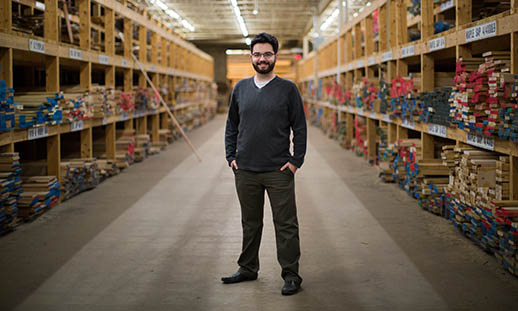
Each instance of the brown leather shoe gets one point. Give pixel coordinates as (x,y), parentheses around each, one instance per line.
(238,277)
(290,287)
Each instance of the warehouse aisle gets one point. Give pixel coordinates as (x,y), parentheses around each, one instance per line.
(160,236)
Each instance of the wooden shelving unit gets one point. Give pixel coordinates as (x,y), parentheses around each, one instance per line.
(361,56)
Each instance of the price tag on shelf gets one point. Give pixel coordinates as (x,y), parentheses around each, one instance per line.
(36,46)
(153,111)
(481,141)
(407,51)
(360,112)
(38,132)
(437,44)
(75,54)
(170,72)
(386,118)
(40,5)
(103,59)
(124,63)
(124,116)
(359,64)
(447,5)
(350,67)
(350,109)
(152,68)
(385,57)
(77,126)
(481,31)
(373,115)
(437,130)
(408,124)
(372,60)
(105,121)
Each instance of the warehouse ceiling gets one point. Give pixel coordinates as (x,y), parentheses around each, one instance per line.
(215,22)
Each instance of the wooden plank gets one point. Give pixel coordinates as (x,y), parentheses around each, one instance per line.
(128,38)
(85,78)
(142,80)
(164,121)
(85,24)
(349,123)
(349,80)
(401,68)
(142,37)
(155,128)
(109,76)
(348,46)
(513,181)
(86,143)
(401,21)
(163,55)
(109,34)
(128,80)
(369,36)
(371,138)
(427,27)
(382,26)
(6,19)
(6,66)
(54,156)
(392,133)
(427,73)
(402,132)
(172,55)
(514,52)
(427,146)
(52,73)
(128,124)
(50,20)
(7,148)
(141,126)
(357,41)
(110,141)
(393,42)
(154,48)
(463,11)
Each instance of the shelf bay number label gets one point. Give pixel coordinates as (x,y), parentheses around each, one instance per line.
(360,111)
(124,63)
(40,5)
(407,51)
(386,56)
(77,126)
(152,68)
(481,141)
(447,5)
(350,109)
(359,64)
(75,54)
(408,124)
(437,44)
(36,46)
(350,67)
(372,60)
(481,31)
(38,132)
(105,121)
(124,116)
(373,115)
(386,118)
(103,59)
(437,130)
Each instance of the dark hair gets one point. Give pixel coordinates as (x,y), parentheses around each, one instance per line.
(264,37)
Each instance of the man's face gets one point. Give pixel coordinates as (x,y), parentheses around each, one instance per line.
(263,58)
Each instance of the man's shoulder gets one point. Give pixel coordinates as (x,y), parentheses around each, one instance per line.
(243,82)
(286,82)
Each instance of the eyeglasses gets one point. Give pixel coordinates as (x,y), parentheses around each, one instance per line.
(266,55)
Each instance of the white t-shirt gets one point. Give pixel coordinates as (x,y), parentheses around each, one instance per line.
(261,84)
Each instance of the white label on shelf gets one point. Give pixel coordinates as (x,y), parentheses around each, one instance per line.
(373,115)
(170,72)
(75,54)
(360,111)
(350,67)
(481,141)
(124,62)
(40,5)
(385,57)
(437,44)
(408,124)
(103,59)
(407,51)
(38,132)
(36,46)
(447,5)
(437,130)
(386,118)
(481,31)
(350,109)
(77,126)
(372,60)
(152,68)
(105,121)
(124,116)
(359,64)
(153,111)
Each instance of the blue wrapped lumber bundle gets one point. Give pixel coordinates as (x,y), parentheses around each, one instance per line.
(10,187)
(435,106)
(7,108)
(39,109)
(78,175)
(40,193)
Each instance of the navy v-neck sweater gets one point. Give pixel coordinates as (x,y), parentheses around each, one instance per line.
(257,133)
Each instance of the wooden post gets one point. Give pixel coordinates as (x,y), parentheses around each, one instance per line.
(463,11)
(128,80)
(427,73)
(348,46)
(391,70)
(7,148)
(402,132)
(427,145)
(163,54)
(6,17)
(382,26)
(357,41)
(52,73)
(141,126)
(369,36)
(110,141)
(172,51)
(427,28)
(401,20)
(514,52)
(128,38)
(6,65)
(513,182)
(392,133)
(84,24)
(86,143)
(349,123)
(164,121)
(54,156)
(155,127)
(128,124)
(50,20)
(401,68)
(109,34)
(142,80)
(393,24)
(86,76)
(142,37)
(109,76)
(349,80)
(371,138)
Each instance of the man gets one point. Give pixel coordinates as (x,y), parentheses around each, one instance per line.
(263,110)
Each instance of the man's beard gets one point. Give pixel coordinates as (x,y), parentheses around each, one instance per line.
(266,70)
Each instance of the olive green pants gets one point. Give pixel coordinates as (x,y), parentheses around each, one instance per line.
(280,187)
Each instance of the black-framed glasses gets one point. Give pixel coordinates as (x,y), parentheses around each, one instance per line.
(266,54)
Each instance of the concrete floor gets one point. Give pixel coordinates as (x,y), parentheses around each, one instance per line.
(160,235)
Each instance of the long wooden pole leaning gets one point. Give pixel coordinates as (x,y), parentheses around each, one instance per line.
(163,102)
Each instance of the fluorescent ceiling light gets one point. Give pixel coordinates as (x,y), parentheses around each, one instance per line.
(187,25)
(248,41)
(172,13)
(240,19)
(329,20)
(161,5)
(236,52)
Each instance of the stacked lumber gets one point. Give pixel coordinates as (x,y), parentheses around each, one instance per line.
(166,137)
(404,96)
(359,144)
(435,106)
(38,109)
(503,171)
(107,169)
(508,113)
(142,147)
(381,143)
(386,160)
(432,194)
(507,229)
(10,187)
(384,95)
(40,193)
(30,24)
(125,148)
(7,107)
(76,107)
(78,175)
(404,165)
(145,98)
